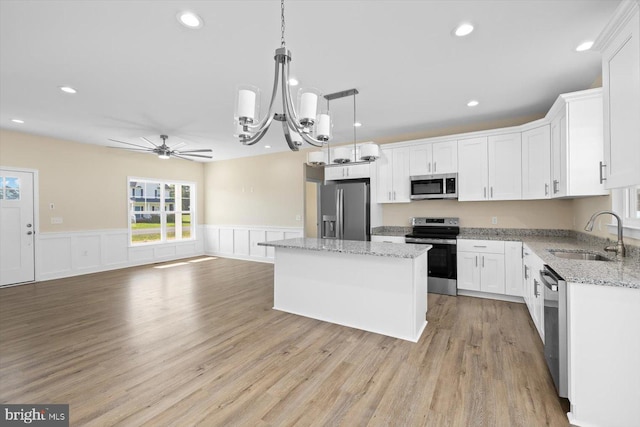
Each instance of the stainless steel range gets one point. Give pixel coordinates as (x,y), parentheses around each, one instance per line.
(441,233)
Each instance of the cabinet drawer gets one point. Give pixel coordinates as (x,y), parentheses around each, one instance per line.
(387,239)
(482,246)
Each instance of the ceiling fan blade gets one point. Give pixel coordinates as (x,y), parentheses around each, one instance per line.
(205,150)
(148,150)
(180,144)
(180,157)
(195,155)
(128,143)
(149,141)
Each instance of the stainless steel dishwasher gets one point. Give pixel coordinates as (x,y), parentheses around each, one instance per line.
(555,328)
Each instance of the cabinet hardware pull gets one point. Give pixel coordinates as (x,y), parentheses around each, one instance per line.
(485,192)
(429,166)
(483,261)
(555,186)
(394,195)
(479,246)
(476,260)
(602,178)
(526,272)
(492,191)
(435,166)
(389,195)
(546,189)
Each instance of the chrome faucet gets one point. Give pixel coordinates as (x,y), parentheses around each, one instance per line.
(618,248)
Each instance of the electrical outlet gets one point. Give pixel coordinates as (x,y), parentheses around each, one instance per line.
(494,220)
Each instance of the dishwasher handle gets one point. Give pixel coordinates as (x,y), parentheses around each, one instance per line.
(553,285)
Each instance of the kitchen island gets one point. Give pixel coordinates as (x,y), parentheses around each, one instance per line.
(376,287)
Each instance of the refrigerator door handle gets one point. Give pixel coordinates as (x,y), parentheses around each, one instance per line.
(340,213)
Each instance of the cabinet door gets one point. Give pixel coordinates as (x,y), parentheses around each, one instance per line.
(472,169)
(559,155)
(513,269)
(621,86)
(468,271)
(357,171)
(492,273)
(333,172)
(420,159)
(401,189)
(505,167)
(536,163)
(385,178)
(445,157)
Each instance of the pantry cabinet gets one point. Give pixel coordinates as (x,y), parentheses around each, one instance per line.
(393,184)
(577,151)
(620,46)
(536,163)
(489,168)
(428,158)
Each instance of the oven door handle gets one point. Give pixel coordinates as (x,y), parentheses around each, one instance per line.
(427,241)
(551,286)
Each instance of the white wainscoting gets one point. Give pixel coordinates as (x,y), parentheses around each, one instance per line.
(65,254)
(241,242)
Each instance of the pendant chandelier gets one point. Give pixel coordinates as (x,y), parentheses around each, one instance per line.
(302,124)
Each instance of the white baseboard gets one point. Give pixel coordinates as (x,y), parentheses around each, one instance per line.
(486,295)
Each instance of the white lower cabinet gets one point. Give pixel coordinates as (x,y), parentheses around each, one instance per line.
(532,292)
(481,266)
(513,269)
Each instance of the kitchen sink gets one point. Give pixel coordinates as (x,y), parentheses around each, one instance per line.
(579,255)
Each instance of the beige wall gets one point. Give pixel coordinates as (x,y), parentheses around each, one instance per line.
(554,214)
(88,183)
(262,190)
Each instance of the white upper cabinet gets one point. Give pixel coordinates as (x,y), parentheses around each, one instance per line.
(489,168)
(429,158)
(536,163)
(577,144)
(473,169)
(393,184)
(347,171)
(620,47)
(505,167)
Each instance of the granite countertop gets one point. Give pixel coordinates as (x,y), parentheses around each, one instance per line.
(392,250)
(618,272)
(391,230)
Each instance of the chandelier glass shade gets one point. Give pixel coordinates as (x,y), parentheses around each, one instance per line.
(300,122)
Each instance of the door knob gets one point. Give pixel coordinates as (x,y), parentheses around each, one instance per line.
(29,233)
(28,225)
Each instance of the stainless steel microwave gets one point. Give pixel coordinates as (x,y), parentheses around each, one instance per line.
(441,186)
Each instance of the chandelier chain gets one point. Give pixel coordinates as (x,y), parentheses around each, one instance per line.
(282,22)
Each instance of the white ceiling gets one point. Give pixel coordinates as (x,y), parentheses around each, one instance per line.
(138,72)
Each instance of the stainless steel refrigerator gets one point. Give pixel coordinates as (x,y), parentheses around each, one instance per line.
(344,211)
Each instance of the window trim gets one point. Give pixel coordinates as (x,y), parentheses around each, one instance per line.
(619,204)
(192,211)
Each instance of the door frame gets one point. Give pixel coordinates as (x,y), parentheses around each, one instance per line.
(36,219)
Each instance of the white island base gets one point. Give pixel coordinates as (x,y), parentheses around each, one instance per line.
(382,294)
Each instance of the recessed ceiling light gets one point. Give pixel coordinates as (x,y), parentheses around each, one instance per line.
(17,121)
(190,20)
(293,82)
(357,124)
(68,89)
(584,46)
(472,103)
(463,29)
(267,146)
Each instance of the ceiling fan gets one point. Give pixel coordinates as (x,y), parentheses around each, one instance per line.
(164,151)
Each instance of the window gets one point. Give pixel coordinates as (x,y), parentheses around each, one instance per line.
(160,211)
(626,203)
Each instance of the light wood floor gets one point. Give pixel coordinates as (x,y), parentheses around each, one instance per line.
(199,344)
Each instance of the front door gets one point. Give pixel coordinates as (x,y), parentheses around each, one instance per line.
(17,228)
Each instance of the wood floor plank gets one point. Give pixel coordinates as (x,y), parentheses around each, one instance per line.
(199,344)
